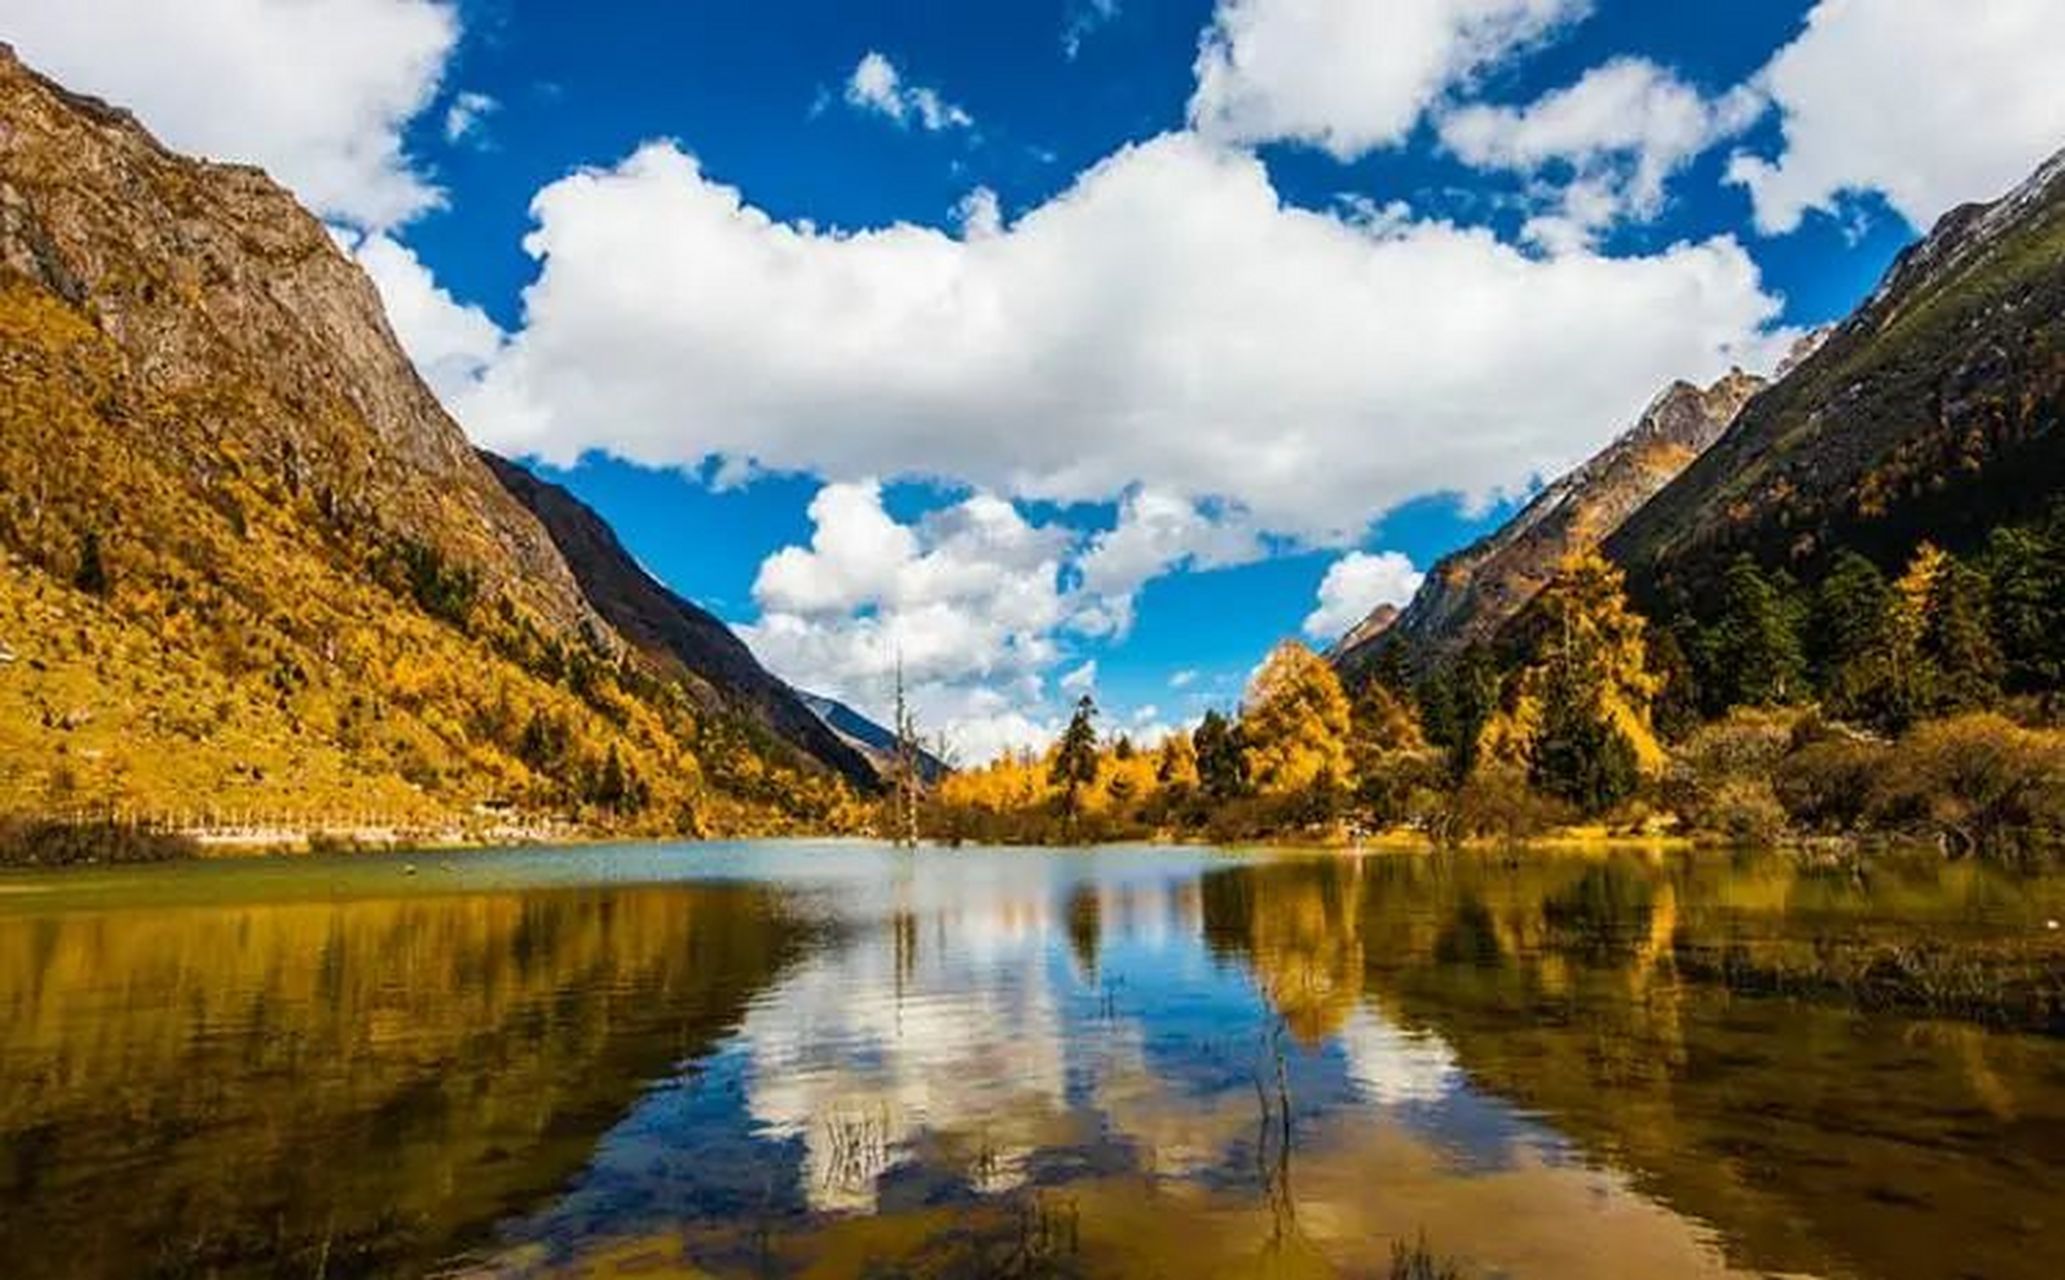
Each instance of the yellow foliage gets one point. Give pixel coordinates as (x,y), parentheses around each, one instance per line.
(1295,721)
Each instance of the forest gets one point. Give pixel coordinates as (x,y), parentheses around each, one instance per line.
(1916,703)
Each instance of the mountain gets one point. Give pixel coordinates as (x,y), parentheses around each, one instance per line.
(1932,412)
(249,565)
(1471,593)
(681,638)
(870,739)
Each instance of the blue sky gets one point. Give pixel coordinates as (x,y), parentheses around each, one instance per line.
(1121,332)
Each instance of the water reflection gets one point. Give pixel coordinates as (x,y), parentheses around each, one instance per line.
(840,1061)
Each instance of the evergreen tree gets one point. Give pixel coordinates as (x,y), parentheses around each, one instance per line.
(1391,669)
(1754,654)
(1456,701)
(2026,574)
(92,574)
(1958,640)
(1295,721)
(1075,759)
(1852,639)
(1222,769)
(1676,709)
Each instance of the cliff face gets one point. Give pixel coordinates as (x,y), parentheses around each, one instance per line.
(246,560)
(1933,412)
(1470,594)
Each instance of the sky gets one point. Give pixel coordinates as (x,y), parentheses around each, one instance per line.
(1066,346)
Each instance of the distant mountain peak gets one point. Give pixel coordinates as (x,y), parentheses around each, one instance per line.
(1470,594)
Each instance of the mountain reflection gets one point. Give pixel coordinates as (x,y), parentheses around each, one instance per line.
(352,1088)
(972,1063)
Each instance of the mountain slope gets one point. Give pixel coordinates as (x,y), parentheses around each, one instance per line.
(1470,594)
(1933,412)
(873,741)
(680,637)
(247,563)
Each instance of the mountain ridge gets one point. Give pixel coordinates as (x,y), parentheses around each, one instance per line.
(248,562)
(1931,412)
(1469,594)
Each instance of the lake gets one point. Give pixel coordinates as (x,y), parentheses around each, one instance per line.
(840,1059)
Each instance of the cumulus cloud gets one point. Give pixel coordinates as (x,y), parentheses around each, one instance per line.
(966,601)
(1168,321)
(1930,103)
(1081,680)
(877,86)
(1357,583)
(1350,76)
(1621,130)
(316,91)
(1157,532)
(451,343)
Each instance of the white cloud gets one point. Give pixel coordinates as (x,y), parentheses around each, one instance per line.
(876,85)
(1622,130)
(1351,76)
(1157,532)
(966,600)
(316,91)
(1081,680)
(1931,103)
(1167,321)
(1183,679)
(1084,18)
(450,343)
(1357,583)
(467,116)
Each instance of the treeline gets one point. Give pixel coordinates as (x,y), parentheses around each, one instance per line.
(1916,704)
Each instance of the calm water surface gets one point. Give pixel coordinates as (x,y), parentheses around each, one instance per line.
(842,1060)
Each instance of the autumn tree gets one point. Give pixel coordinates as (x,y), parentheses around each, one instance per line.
(1295,721)
(1175,763)
(1387,750)
(1579,716)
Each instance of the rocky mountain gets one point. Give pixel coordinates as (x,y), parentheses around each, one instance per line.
(686,641)
(1471,593)
(248,564)
(1933,411)
(869,738)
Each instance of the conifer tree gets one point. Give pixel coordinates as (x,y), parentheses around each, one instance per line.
(92,573)
(1754,651)
(2026,573)
(1958,640)
(1221,763)
(1075,758)
(1852,639)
